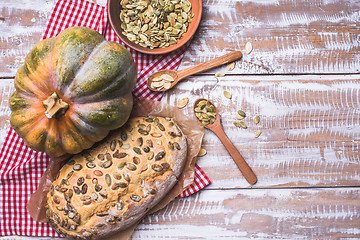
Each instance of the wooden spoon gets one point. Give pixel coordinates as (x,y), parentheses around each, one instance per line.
(179,75)
(219,132)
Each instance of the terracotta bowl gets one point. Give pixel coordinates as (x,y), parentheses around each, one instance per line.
(114,8)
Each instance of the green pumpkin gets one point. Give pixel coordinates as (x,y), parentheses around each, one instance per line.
(72,90)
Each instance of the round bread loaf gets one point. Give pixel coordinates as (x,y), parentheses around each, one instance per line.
(111,186)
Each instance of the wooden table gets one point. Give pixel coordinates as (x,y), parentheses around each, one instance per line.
(302,79)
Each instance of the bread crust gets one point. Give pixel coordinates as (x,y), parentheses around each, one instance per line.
(111,186)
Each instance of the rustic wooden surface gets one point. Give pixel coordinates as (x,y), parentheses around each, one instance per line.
(302,79)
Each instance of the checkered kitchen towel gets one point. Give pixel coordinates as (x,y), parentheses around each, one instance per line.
(21,168)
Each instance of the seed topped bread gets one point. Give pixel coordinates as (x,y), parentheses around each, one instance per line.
(111,186)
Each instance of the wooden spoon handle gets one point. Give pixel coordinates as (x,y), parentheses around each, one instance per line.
(239,160)
(230,57)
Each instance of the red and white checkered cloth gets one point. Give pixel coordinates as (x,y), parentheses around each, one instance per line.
(21,168)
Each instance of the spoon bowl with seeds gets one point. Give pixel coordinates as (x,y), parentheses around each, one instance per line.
(207,115)
(166,79)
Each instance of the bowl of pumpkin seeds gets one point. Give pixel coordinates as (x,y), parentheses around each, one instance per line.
(155,26)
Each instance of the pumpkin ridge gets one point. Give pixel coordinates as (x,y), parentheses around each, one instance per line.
(93,76)
(94,84)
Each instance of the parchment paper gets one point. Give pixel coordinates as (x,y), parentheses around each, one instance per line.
(193,131)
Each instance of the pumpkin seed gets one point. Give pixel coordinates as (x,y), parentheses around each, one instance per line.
(146,149)
(149,143)
(150,156)
(90,165)
(240,124)
(167,85)
(98,187)
(156,135)
(123,136)
(202,152)
(56,199)
(125,146)
(107,164)
(159,156)
(239,117)
(68,195)
(126,176)
(77,167)
(80,181)
(165,166)
(98,173)
(113,145)
(119,185)
(103,194)
(177,146)
(160,126)
(136,160)
(231,66)
(76,218)
(131,166)
(119,154)
(152,191)
(157,168)
(76,190)
(69,175)
(142,131)
(101,156)
(121,165)
(108,179)
(149,119)
(183,102)
(248,47)
(256,119)
(171,146)
(227,94)
(135,198)
(137,150)
(219,74)
(84,188)
(94,181)
(140,141)
(117,175)
(257,133)
(241,113)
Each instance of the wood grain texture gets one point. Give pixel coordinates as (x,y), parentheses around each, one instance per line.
(255,214)
(288,36)
(310,128)
(259,214)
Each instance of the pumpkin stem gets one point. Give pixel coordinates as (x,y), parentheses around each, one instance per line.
(55,106)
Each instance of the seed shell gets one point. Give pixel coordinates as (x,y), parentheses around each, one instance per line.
(231,66)
(256,119)
(257,133)
(202,152)
(183,102)
(227,94)
(248,47)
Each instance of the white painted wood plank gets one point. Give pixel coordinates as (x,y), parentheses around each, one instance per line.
(310,128)
(288,36)
(256,214)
